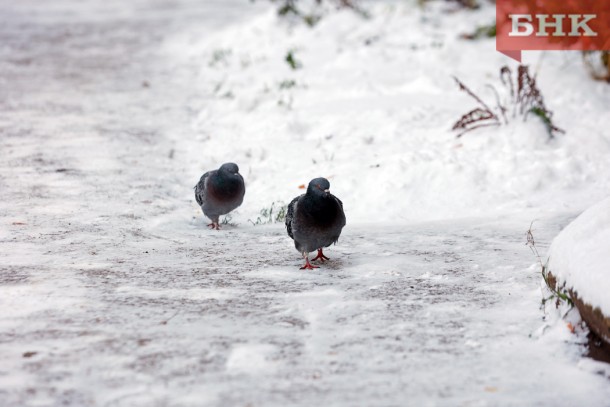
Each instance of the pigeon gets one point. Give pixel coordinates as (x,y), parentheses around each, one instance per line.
(314,220)
(220,191)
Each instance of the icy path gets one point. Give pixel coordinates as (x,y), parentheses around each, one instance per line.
(113,293)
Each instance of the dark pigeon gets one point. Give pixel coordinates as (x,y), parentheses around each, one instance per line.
(220,191)
(314,220)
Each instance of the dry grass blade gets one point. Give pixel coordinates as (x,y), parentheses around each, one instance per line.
(473,95)
(525,97)
(480,117)
(506,76)
(473,120)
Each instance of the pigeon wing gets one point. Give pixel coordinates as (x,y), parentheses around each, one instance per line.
(200,188)
(290,215)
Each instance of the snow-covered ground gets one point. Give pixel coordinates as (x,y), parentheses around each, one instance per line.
(113,292)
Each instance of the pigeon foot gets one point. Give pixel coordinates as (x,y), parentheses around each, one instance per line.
(320,256)
(214,225)
(308,265)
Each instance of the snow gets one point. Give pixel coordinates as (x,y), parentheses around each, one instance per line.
(579,256)
(113,292)
(372,106)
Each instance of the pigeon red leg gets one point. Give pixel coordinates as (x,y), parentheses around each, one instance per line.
(308,265)
(320,256)
(214,225)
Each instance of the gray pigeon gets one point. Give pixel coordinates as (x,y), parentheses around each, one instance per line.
(314,220)
(220,191)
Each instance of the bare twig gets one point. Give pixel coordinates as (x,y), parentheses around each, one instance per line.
(531,243)
(556,292)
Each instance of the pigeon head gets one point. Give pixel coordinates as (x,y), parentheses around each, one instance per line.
(319,187)
(231,168)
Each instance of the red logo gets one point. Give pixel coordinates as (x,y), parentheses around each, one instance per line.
(552,25)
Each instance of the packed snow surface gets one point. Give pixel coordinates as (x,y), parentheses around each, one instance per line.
(114,293)
(580,256)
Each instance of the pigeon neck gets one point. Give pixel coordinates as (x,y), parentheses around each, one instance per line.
(314,191)
(316,199)
(225,183)
(323,208)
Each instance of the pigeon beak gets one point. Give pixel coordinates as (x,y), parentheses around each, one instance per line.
(326,191)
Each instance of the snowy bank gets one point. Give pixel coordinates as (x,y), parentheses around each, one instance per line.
(369,104)
(579,259)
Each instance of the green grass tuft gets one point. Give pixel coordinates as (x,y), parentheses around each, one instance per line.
(275,213)
(292,61)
